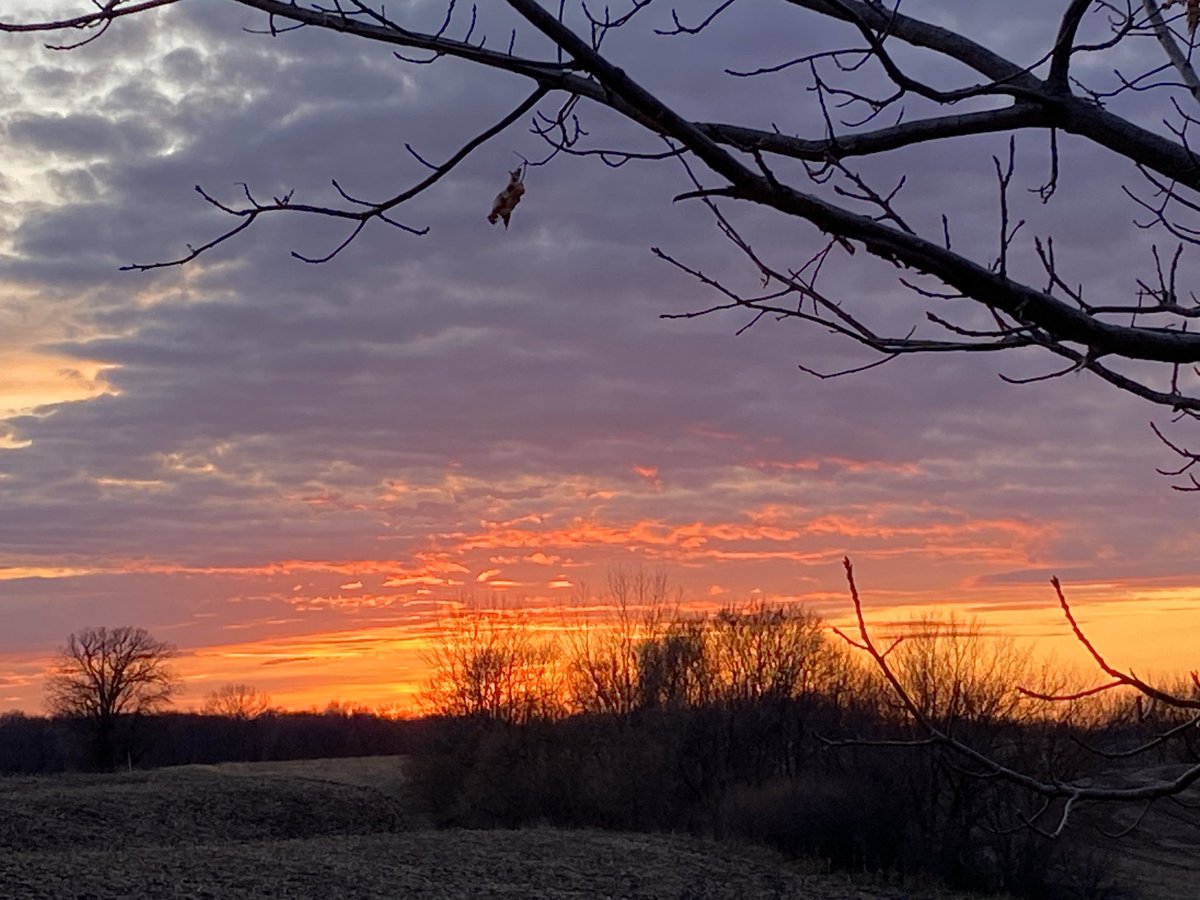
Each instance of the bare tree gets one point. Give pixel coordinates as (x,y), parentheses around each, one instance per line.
(763,653)
(492,665)
(675,666)
(605,659)
(887,82)
(237,701)
(103,675)
(955,672)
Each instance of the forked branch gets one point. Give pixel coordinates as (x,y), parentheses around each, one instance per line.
(1071,794)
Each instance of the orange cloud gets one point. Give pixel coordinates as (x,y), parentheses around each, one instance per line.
(34,379)
(650,474)
(840,462)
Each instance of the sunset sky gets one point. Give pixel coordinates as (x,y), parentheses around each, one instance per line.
(291,471)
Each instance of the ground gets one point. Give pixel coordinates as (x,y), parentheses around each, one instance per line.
(340,829)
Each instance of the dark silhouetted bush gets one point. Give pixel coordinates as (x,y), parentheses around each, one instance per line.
(752,724)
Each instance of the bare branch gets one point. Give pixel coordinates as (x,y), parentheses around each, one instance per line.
(360,217)
(1070,792)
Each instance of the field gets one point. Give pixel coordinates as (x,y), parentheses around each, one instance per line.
(340,829)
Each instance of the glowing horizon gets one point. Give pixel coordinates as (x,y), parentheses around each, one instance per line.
(381,665)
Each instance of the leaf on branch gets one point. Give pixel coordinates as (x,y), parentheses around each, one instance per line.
(1193,12)
(506,201)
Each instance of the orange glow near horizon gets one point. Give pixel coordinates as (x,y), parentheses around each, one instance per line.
(381,669)
(355,630)
(384,668)
(1147,627)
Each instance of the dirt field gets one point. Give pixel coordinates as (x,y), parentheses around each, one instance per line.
(339,829)
(1160,860)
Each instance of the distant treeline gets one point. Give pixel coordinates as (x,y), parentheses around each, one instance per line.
(35,745)
(757,723)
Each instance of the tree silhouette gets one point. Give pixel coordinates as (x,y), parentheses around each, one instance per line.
(237,701)
(887,82)
(103,675)
(492,666)
(1060,796)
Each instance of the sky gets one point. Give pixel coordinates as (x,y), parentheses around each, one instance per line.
(295,472)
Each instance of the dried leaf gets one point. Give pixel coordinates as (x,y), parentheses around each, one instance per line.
(1193,12)
(506,201)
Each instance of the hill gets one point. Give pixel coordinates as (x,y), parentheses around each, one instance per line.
(339,828)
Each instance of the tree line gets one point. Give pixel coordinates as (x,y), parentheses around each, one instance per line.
(759,722)
(41,745)
(108,693)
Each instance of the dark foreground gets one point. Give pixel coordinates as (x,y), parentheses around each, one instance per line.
(340,829)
